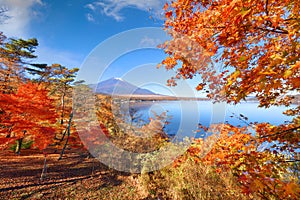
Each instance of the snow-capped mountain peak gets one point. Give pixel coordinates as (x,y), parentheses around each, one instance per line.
(118,86)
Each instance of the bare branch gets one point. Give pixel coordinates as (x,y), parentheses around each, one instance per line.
(289,161)
(281,132)
(272,30)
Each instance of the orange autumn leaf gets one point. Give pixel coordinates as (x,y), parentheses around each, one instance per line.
(28,112)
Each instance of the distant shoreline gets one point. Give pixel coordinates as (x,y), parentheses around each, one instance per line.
(155,98)
(172,98)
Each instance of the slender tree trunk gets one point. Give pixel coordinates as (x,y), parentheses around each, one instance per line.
(44,171)
(69,132)
(62,108)
(64,135)
(63,114)
(19,143)
(18,147)
(93,167)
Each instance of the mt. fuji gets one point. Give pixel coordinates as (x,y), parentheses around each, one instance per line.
(117,86)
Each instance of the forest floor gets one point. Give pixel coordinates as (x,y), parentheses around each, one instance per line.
(74,177)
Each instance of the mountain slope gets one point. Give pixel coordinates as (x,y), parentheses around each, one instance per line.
(117,86)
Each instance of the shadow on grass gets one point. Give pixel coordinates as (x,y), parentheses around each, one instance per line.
(20,175)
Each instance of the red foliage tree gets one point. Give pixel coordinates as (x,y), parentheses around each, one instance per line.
(27,113)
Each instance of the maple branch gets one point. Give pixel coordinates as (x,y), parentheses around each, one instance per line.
(296,160)
(266,8)
(275,30)
(281,132)
(242,119)
(214,27)
(293,18)
(272,30)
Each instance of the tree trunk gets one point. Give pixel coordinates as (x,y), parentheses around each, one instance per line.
(63,104)
(63,114)
(69,132)
(44,171)
(18,147)
(19,144)
(62,109)
(63,135)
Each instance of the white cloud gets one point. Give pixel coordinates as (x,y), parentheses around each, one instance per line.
(90,17)
(113,8)
(20,14)
(91,6)
(148,41)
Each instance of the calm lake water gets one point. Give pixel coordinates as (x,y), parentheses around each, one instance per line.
(184,116)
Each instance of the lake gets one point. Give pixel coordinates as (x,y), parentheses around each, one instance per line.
(183,117)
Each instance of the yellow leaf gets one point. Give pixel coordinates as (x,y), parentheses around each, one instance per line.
(287,73)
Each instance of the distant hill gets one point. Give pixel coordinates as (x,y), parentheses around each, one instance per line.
(117,86)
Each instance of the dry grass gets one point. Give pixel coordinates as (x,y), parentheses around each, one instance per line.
(191,181)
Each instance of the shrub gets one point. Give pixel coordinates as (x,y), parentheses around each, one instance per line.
(25,145)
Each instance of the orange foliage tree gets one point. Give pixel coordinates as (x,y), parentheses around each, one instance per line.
(261,174)
(27,113)
(238,48)
(258,40)
(57,80)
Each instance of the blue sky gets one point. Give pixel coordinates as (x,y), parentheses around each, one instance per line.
(70,31)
